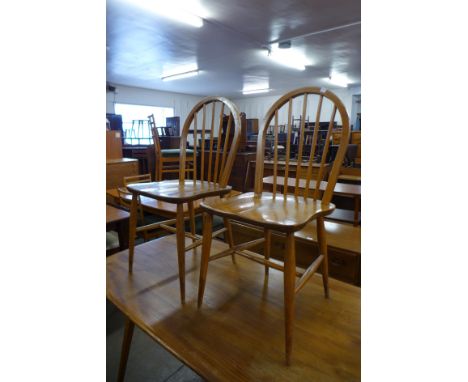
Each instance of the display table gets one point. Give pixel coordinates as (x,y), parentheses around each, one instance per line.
(238,333)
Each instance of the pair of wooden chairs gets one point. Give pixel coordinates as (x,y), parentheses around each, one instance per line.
(271,211)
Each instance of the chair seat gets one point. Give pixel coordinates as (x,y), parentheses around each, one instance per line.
(176,192)
(175,152)
(279,213)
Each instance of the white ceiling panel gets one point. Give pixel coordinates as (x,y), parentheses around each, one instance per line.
(229,48)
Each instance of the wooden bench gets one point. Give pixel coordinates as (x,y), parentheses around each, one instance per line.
(344,247)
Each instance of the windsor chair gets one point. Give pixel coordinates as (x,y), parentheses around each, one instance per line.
(210,182)
(167,160)
(285,213)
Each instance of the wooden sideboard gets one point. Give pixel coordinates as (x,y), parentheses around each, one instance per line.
(116,169)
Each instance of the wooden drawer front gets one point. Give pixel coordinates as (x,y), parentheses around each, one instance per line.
(343,265)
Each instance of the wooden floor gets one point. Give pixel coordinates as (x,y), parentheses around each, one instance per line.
(238,334)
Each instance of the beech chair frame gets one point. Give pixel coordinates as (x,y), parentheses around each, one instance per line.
(210,183)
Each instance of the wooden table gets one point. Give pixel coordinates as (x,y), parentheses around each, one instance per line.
(118,219)
(341,189)
(238,334)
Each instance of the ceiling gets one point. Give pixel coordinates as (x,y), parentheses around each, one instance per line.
(229,49)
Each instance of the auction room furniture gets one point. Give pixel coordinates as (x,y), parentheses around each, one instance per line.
(117,169)
(116,166)
(284,213)
(168,160)
(117,220)
(212,182)
(235,337)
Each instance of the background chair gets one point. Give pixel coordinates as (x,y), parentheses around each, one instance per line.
(167,160)
(215,144)
(286,213)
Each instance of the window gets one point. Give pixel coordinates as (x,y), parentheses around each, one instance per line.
(135,121)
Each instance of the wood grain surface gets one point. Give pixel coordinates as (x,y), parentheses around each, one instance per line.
(238,333)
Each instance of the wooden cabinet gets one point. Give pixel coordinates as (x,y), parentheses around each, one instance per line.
(356,139)
(116,169)
(113,145)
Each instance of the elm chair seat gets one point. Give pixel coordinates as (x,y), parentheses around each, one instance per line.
(283,214)
(179,192)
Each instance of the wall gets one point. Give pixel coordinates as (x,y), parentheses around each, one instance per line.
(182,103)
(256,107)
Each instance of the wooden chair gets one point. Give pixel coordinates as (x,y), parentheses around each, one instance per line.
(167,160)
(284,213)
(216,145)
(125,198)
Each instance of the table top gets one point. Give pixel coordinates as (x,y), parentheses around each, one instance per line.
(238,333)
(345,189)
(354,178)
(115,214)
(121,160)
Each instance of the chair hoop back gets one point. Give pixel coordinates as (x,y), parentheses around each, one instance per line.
(305,145)
(208,131)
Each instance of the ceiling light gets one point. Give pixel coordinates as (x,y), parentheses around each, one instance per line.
(339,79)
(173,10)
(178,76)
(292,57)
(253,91)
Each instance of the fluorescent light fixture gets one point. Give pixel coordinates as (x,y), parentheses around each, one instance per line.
(339,79)
(174,10)
(254,91)
(290,57)
(178,76)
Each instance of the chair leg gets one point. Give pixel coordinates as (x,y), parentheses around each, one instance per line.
(191,209)
(132,231)
(267,248)
(180,235)
(206,249)
(229,237)
(127,341)
(289,292)
(322,242)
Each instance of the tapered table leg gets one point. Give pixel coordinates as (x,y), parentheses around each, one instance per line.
(127,341)
(289,293)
